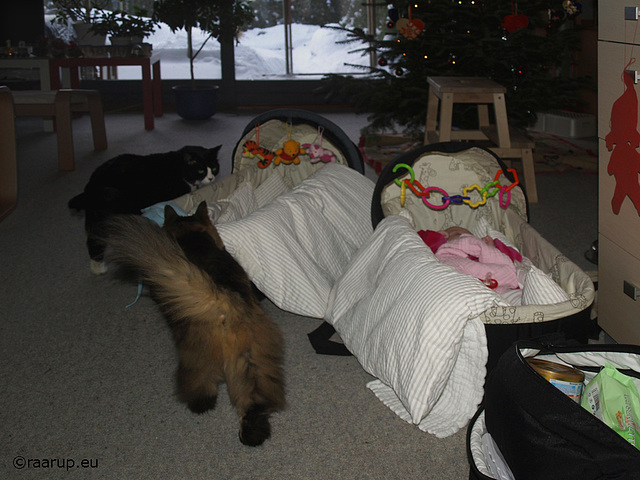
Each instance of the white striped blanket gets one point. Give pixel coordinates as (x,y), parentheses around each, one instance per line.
(313,252)
(413,323)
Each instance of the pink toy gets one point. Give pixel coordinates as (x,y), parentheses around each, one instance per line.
(317,152)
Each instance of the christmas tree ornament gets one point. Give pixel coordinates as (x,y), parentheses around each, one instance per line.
(390,24)
(399,71)
(410,27)
(382,62)
(572,7)
(516,20)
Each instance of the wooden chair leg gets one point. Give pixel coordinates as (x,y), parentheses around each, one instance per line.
(66,159)
(97,121)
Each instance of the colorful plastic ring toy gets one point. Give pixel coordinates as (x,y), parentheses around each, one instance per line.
(404,165)
(420,192)
(489,185)
(515,176)
(445,203)
(483,194)
(502,192)
(457,199)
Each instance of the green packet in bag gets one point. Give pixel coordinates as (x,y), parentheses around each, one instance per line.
(613,398)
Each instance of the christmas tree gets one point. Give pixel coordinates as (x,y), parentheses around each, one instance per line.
(525,46)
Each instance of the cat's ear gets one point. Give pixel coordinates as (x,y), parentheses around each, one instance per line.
(202,213)
(170,215)
(212,159)
(189,155)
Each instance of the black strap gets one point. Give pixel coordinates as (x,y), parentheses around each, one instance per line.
(320,342)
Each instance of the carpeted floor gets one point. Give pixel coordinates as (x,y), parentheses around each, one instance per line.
(555,154)
(86,379)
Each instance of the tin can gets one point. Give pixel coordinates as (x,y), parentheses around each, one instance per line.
(568,380)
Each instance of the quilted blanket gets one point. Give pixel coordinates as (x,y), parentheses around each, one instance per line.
(312,251)
(414,323)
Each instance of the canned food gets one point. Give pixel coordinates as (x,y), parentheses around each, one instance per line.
(568,380)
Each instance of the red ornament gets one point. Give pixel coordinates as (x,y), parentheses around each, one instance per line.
(410,28)
(515,21)
(511,23)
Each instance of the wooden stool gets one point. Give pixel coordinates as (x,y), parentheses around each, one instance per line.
(61,104)
(445,91)
(8,155)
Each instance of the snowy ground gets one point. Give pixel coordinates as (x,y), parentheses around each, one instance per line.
(259,54)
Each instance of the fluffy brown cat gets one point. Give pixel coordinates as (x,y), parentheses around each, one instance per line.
(221,331)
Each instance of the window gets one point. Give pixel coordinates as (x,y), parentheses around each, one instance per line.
(286,40)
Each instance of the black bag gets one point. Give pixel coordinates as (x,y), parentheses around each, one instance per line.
(543,434)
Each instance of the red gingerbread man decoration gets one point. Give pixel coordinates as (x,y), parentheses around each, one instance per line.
(622,140)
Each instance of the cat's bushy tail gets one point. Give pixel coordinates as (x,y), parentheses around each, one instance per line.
(220,337)
(181,288)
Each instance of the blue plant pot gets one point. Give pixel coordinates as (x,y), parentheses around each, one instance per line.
(199,103)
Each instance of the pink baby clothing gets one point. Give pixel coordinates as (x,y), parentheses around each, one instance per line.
(471,255)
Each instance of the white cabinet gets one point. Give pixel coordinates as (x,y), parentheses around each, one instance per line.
(619,233)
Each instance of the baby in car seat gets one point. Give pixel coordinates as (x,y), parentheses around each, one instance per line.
(487,259)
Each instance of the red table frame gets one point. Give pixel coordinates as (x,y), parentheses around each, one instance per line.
(151,85)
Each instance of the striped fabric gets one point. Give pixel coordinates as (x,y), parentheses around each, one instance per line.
(295,248)
(413,323)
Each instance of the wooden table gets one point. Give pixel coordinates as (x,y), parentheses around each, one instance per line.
(151,80)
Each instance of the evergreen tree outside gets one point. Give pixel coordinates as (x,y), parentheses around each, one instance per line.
(466,38)
(348,13)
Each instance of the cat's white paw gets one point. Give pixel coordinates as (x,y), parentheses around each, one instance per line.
(98,267)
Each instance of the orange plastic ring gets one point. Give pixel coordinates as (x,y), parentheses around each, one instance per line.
(515,175)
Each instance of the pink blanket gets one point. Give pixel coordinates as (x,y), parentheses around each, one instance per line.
(470,255)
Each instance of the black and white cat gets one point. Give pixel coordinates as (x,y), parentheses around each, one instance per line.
(128,183)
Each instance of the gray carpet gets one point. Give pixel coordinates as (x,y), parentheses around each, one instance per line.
(85,378)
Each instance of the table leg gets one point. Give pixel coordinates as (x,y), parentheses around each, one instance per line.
(483,115)
(529,175)
(147,96)
(157,89)
(446,117)
(432,114)
(502,124)
(54,77)
(66,155)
